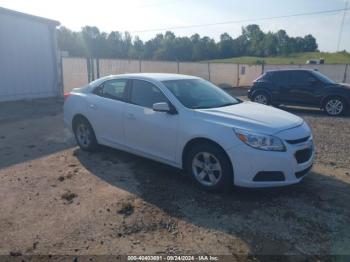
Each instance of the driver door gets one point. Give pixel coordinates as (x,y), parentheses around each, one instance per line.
(147,131)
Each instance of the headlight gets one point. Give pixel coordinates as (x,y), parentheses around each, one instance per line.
(260,141)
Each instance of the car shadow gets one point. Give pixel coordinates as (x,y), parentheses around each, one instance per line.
(310,218)
(31,130)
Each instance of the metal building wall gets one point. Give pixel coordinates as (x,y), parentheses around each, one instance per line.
(28,65)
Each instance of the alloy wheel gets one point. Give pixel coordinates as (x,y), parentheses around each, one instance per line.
(334,107)
(206,169)
(83,135)
(262,99)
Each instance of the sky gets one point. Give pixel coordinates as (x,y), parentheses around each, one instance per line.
(140,15)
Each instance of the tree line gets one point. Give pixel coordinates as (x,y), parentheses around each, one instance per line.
(90,41)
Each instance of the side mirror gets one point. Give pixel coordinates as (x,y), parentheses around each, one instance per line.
(164,107)
(161,107)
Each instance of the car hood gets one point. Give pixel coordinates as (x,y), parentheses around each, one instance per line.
(343,85)
(252,116)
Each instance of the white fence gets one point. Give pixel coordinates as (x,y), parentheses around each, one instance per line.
(76,73)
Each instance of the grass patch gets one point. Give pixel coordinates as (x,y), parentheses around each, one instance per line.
(300,58)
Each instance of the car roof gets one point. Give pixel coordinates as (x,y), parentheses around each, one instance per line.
(289,70)
(151,76)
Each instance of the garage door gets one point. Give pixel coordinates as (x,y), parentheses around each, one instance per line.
(27,64)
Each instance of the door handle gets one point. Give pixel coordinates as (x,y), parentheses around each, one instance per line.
(130,116)
(93,106)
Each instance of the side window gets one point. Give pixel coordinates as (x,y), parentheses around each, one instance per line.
(300,78)
(280,78)
(114,89)
(146,94)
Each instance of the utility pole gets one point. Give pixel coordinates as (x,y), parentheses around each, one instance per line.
(342,25)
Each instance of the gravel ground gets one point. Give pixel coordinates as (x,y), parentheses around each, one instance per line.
(57,199)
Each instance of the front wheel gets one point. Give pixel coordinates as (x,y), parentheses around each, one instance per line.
(334,106)
(210,167)
(261,98)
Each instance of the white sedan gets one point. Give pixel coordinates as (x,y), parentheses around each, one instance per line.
(189,123)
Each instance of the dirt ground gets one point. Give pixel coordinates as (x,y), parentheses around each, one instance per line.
(57,199)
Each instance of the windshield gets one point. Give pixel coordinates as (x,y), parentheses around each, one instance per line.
(198,93)
(322,78)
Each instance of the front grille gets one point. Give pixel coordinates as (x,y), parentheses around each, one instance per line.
(303,156)
(298,141)
(269,176)
(302,173)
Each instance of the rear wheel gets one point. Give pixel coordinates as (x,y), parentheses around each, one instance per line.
(261,98)
(334,106)
(210,167)
(84,134)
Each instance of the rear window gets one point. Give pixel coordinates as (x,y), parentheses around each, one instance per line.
(113,89)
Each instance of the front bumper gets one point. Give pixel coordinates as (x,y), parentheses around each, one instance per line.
(248,163)
(249,94)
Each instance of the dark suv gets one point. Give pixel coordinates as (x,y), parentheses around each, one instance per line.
(301,87)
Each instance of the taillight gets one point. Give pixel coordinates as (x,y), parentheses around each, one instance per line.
(66,95)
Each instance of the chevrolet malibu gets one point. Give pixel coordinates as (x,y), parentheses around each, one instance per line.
(190,123)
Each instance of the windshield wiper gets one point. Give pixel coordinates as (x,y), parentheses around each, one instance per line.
(214,106)
(228,104)
(201,107)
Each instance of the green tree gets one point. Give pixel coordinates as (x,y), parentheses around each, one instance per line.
(115,40)
(90,41)
(91,37)
(269,45)
(255,39)
(226,46)
(203,48)
(137,49)
(282,43)
(310,44)
(71,42)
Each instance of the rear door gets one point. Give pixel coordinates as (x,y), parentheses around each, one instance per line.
(106,109)
(280,91)
(147,131)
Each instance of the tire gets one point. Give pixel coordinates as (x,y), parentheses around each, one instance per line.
(209,167)
(334,106)
(85,135)
(261,98)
